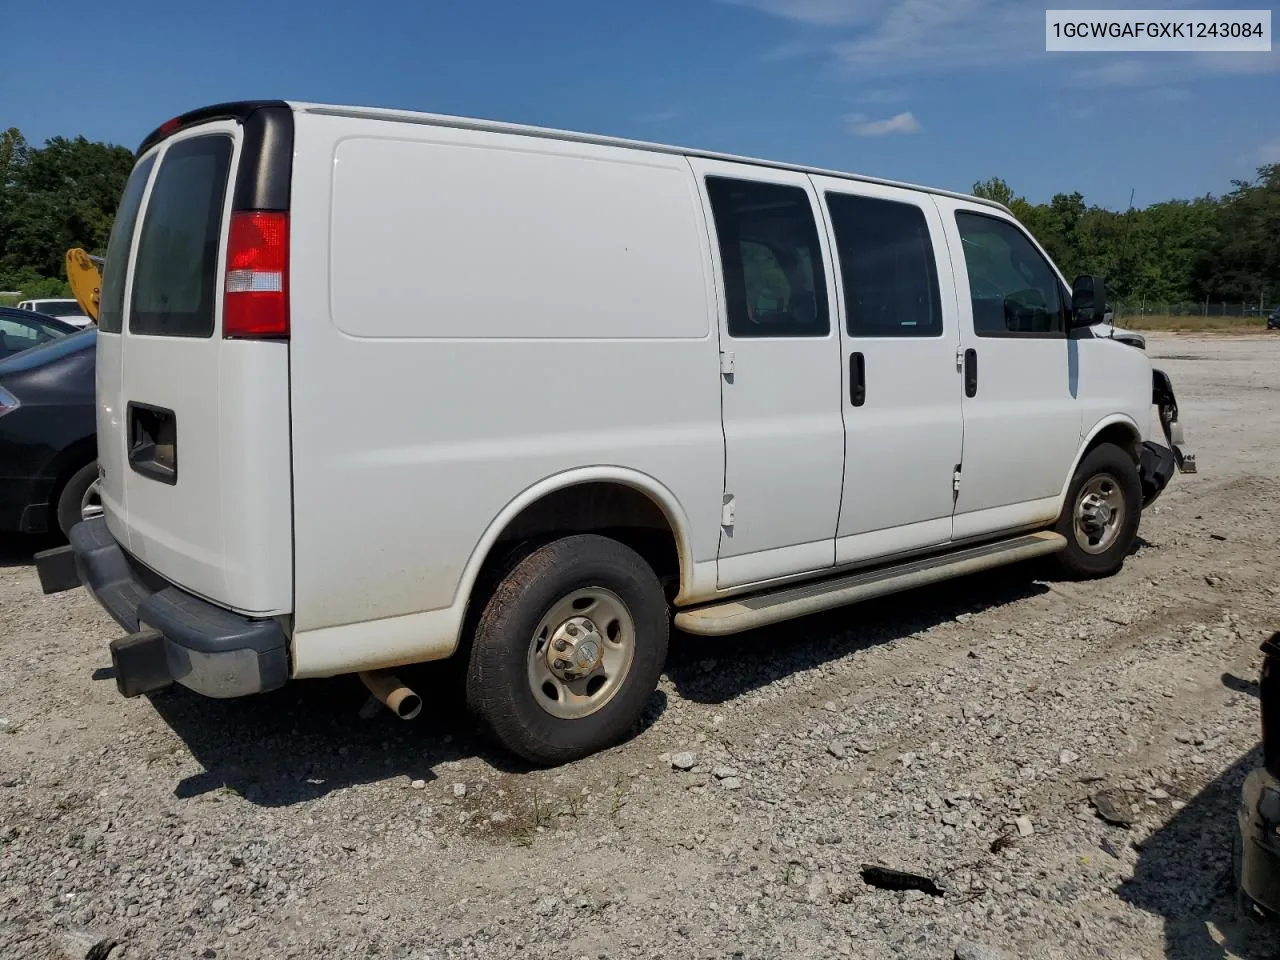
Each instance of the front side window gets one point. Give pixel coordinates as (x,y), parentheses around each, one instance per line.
(774,282)
(175,277)
(1015,292)
(887,265)
(111,300)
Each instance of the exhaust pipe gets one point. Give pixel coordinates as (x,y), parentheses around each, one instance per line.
(398,698)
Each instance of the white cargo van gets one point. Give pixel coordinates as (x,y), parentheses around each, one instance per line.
(378,388)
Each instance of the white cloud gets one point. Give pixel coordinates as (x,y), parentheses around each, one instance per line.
(860,126)
(879,96)
(900,37)
(916,36)
(821,12)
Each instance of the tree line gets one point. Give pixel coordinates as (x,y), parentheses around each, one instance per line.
(53,198)
(1211,248)
(1215,248)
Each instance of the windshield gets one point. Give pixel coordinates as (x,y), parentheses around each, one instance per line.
(59,308)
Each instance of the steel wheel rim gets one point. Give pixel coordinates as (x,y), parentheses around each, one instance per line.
(91,501)
(1099,514)
(581,653)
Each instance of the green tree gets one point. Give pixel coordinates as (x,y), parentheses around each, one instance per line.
(52,198)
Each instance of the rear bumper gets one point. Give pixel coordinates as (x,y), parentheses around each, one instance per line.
(172,635)
(1258,867)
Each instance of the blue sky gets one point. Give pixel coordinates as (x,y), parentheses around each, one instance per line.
(943,92)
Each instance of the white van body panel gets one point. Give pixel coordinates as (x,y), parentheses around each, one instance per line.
(1022,429)
(469,322)
(223,530)
(904,442)
(434,634)
(783,432)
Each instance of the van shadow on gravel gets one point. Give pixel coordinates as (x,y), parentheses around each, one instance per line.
(310,738)
(748,661)
(1184,875)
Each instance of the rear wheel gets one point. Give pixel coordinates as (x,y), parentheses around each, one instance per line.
(1101,514)
(568,649)
(79,499)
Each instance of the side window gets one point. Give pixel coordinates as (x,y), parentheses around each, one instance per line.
(111,301)
(887,264)
(773,277)
(1015,292)
(175,276)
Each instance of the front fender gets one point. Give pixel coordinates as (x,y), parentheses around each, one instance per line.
(1105,423)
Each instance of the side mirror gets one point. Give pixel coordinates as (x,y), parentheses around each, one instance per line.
(1088,300)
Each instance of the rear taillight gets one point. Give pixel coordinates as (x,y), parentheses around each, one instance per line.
(256,300)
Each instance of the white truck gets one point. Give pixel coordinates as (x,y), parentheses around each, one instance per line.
(377,388)
(65,309)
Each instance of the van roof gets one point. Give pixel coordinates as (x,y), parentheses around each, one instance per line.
(241,110)
(549,133)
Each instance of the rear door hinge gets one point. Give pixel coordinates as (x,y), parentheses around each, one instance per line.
(955,481)
(726,363)
(959,358)
(728,512)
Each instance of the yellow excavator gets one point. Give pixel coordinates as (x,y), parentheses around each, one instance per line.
(84,274)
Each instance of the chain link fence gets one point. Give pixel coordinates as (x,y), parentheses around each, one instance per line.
(1204,308)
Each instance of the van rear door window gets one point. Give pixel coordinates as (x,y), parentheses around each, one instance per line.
(175,278)
(111,302)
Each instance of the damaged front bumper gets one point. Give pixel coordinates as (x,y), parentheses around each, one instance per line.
(1257,847)
(1158,462)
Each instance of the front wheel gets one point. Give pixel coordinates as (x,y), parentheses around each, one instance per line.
(568,649)
(1101,513)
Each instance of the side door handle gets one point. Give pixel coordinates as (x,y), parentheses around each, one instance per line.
(857,379)
(971,372)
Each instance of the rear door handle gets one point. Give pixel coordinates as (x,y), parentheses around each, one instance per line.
(857,379)
(971,372)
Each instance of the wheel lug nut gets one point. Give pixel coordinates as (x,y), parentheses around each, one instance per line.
(561,644)
(561,664)
(571,630)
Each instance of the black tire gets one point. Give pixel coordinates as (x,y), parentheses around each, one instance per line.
(73,491)
(1111,465)
(499,690)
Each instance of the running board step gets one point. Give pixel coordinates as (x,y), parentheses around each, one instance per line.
(734,616)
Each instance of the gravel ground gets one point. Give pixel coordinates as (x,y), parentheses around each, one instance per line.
(920,732)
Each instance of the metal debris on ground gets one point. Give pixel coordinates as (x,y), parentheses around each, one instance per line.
(886,878)
(1113,807)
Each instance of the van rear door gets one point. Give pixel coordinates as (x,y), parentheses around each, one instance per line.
(193,419)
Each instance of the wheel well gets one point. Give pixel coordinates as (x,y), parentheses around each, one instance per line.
(610,509)
(1120,434)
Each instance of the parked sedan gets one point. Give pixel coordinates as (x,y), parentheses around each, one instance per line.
(1273,321)
(48,436)
(22,329)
